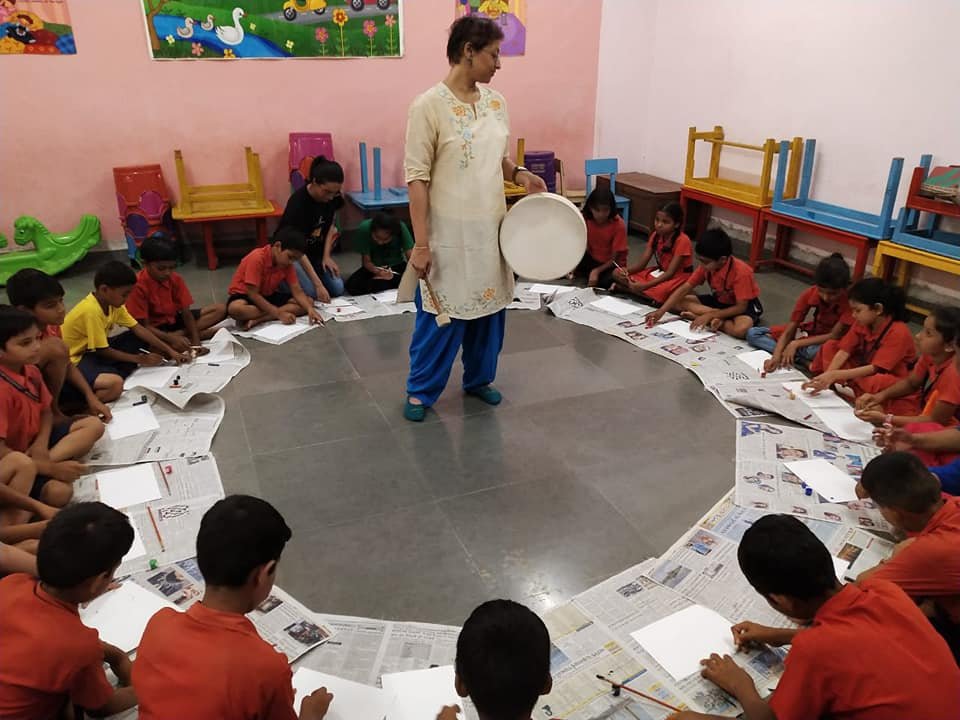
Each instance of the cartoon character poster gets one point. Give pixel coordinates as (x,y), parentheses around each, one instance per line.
(233,29)
(512,16)
(36,27)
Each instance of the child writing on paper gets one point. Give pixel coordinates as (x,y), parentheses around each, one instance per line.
(161,300)
(42,296)
(26,420)
(503,662)
(51,661)
(209,662)
(927,564)
(384,244)
(606,240)
(265,285)
(312,210)
(733,304)
(800,339)
(673,252)
(876,352)
(864,649)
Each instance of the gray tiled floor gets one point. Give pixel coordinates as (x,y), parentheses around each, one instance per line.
(600,456)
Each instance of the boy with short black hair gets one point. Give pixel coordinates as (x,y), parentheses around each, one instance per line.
(89,331)
(503,661)
(865,650)
(161,300)
(50,659)
(384,244)
(733,303)
(927,564)
(26,421)
(265,285)
(42,296)
(209,662)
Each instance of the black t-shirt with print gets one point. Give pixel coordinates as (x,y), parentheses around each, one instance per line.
(306,214)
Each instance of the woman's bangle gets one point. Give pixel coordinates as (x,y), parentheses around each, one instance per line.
(420,247)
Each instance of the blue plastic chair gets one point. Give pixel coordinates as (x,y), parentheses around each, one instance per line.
(608,167)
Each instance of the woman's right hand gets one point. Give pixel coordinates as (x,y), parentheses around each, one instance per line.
(421,259)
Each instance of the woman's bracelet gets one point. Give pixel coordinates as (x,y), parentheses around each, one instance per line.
(421,247)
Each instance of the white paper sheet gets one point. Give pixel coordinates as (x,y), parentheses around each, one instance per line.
(121,615)
(656,272)
(682,328)
(351,700)
(128,486)
(132,421)
(545,289)
(844,423)
(276,332)
(137,549)
(387,296)
(824,399)
(680,641)
(757,358)
(615,306)
(151,377)
(420,693)
(840,567)
(826,479)
(341,309)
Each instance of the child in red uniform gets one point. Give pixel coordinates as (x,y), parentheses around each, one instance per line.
(50,660)
(927,564)
(876,352)
(733,305)
(672,250)
(209,662)
(606,240)
(800,339)
(26,421)
(161,300)
(256,295)
(865,651)
(42,296)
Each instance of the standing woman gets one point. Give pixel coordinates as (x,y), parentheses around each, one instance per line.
(455,164)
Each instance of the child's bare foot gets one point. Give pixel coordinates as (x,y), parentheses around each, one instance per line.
(716,324)
(250,324)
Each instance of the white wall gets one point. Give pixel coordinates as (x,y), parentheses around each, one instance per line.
(869,79)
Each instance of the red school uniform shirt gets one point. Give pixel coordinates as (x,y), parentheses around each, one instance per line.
(732,283)
(825,315)
(258,269)
(204,663)
(158,303)
(608,241)
(23,398)
(870,654)
(890,349)
(664,250)
(940,382)
(929,567)
(48,656)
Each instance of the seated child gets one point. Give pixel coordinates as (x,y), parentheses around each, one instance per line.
(606,240)
(503,662)
(800,339)
(90,331)
(312,210)
(877,351)
(733,305)
(256,295)
(51,661)
(384,242)
(865,650)
(927,564)
(22,518)
(26,421)
(673,252)
(160,301)
(42,296)
(209,662)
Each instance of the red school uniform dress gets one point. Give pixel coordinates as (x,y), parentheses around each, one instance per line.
(941,383)
(825,315)
(608,241)
(258,269)
(732,283)
(664,251)
(48,656)
(870,654)
(159,303)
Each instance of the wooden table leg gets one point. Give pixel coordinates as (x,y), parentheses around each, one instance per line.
(208,244)
(261,232)
(758,239)
(861,262)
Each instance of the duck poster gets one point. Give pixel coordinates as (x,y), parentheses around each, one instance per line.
(512,16)
(236,29)
(35,27)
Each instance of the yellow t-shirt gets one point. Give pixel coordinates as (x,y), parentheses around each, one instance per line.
(86,327)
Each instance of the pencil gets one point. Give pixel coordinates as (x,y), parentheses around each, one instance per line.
(153,522)
(618,686)
(164,476)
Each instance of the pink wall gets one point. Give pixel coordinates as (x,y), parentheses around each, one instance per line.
(72,119)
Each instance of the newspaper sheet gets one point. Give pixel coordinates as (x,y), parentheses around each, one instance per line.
(763,482)
(208,374)
(275,332)
(524,298)
(183,433)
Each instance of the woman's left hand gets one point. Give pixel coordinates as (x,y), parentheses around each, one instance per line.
(531,183)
